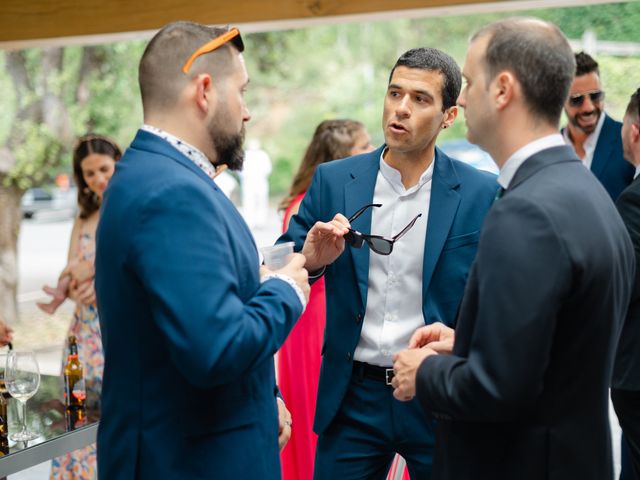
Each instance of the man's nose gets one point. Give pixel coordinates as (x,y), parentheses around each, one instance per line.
(403,109)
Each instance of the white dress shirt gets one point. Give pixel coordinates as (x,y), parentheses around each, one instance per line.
(589,144)
(512,164)
(394,299)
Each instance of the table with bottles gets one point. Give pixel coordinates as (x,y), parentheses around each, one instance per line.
(58,431)
(56,420)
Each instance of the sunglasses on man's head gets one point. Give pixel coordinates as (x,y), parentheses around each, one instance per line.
(211,46)
(377,243)
(578,100)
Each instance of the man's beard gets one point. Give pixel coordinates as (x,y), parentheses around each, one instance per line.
(228,146)
(590,128)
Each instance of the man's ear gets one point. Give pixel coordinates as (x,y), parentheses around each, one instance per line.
(635,133)
(449,116)
(503,89)
(205,93)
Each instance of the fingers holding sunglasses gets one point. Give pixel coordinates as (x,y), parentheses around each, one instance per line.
(325,242)
(296,270)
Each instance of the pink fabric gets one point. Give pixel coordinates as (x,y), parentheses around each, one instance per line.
(298,374)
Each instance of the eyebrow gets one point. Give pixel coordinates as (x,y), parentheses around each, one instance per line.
(417,92)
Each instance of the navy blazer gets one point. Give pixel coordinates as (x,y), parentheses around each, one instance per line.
(189,332)
(460,198)
(525,393)
(626,370)
(608,165)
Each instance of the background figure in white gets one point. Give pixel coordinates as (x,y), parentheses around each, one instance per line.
(226,182)
(255,185)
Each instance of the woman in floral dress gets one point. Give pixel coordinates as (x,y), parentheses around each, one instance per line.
(94,159)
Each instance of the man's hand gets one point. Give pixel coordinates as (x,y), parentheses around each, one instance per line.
(284,420)
(436,336)
(405,366)
(6,334)
(297,271)
(325,242)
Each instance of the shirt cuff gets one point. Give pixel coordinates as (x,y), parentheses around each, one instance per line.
(291,282)
(317,274)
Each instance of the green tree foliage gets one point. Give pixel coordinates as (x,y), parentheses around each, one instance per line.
(298,78)
(301,77)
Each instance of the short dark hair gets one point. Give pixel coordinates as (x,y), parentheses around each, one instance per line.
(434,60)
(539,55)
(160,72)
(585,64)
(86,145)
(633,108)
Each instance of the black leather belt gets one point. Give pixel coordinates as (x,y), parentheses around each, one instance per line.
(374,372)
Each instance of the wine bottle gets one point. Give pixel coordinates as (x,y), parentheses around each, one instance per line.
(74,389)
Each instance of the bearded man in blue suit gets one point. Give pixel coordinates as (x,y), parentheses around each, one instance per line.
(399,262)
(189,321)
(593,134)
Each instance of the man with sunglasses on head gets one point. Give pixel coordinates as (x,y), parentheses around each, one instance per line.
(395,232)
(190,322)
(593,134)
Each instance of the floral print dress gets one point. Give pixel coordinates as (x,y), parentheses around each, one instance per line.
(82,463)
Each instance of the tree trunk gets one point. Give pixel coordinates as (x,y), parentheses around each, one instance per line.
(10,217)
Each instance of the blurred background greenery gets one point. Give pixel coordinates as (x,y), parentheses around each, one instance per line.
(298,78)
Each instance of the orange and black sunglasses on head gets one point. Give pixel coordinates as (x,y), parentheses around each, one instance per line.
(212,45)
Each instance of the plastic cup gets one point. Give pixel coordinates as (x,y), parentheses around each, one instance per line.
(277,256)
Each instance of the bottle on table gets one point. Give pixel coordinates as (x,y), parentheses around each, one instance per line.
(4,404)
(74,389)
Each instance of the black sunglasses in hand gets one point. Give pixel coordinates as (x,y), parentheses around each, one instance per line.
(377,243)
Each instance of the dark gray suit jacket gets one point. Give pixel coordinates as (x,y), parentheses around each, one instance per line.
(626,370)
(525,393)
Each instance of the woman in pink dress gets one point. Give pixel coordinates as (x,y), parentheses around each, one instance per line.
(299,358)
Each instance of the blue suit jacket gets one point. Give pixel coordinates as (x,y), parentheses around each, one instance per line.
(608,165)
(189,332)
(460,198)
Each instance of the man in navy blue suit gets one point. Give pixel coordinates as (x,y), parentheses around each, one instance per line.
(593,134)
(398,262)
(625,383)
(189,321)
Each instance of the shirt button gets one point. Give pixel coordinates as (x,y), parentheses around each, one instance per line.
(358,318)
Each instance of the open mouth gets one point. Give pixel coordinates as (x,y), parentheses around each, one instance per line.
(398,128)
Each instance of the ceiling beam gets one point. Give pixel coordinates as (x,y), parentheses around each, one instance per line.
(22,20)
(44,23)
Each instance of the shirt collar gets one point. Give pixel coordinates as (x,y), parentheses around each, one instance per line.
(394,177)
(188,150)
(514,162)
(591,140)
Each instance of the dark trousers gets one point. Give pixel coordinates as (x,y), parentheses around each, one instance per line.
(627,406)
(369,428)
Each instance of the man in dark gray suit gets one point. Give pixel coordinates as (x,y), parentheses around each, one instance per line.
(625,384)
(523,393)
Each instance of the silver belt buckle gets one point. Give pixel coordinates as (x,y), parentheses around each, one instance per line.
(388,375)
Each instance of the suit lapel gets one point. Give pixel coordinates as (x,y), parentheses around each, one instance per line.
(443,206)
(603,150)
(357,194)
